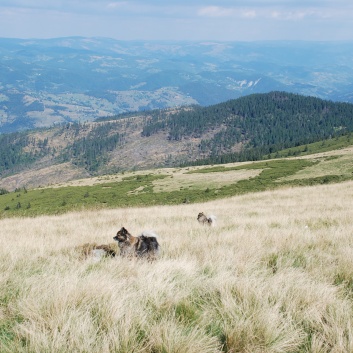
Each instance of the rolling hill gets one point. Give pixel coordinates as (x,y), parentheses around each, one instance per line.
(256,127)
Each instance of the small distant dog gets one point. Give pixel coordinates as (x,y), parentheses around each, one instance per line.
(203,219)
(143,246)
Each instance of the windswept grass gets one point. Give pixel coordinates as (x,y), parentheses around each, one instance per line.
(274,275)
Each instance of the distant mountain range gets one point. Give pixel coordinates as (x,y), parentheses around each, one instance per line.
(50,81)
(247,128)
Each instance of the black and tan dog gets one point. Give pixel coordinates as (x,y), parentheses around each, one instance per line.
(145,245)
(203,219)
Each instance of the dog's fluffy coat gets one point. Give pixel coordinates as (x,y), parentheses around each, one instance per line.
(145,245)
(98,251)
(206,220)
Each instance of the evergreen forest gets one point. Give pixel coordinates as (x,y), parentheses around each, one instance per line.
(261,123)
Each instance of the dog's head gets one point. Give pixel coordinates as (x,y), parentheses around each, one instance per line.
(126,242)
(122,236)
(201,216)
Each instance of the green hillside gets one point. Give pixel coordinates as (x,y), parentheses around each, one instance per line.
(251,128)
(183,185)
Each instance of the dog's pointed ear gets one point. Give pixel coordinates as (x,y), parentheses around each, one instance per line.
(128,235)
(125,233)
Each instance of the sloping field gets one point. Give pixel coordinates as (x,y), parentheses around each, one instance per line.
(274,275)
(179,185)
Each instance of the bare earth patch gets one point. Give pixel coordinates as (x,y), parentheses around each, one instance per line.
(33,178)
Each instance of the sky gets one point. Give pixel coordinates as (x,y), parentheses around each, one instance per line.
(221,20)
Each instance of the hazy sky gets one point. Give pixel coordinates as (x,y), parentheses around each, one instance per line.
(226,20)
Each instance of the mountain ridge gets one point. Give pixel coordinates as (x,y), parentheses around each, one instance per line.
(245,129)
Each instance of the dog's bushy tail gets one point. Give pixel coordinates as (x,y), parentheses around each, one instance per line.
(212,218)
(149,233)
(151,242)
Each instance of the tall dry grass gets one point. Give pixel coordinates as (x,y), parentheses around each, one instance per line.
(274,275)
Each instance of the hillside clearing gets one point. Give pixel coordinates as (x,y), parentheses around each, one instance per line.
(201,180)
(333,164)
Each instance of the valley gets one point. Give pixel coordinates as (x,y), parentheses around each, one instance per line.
(78,79)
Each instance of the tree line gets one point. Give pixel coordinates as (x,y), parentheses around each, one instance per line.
(18,150)
(91,152)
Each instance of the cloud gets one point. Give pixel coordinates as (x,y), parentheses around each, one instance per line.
(178,19)
(219,12)
(249,13)
(302,14)
(116,4)
(200,8)
(215,11)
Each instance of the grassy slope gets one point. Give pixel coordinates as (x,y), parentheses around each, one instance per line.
(194,184)
(273,276)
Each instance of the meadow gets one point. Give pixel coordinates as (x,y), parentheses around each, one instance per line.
(178,185)
(274,275)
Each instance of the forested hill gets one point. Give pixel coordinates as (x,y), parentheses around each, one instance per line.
(261,123)
(247,128)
